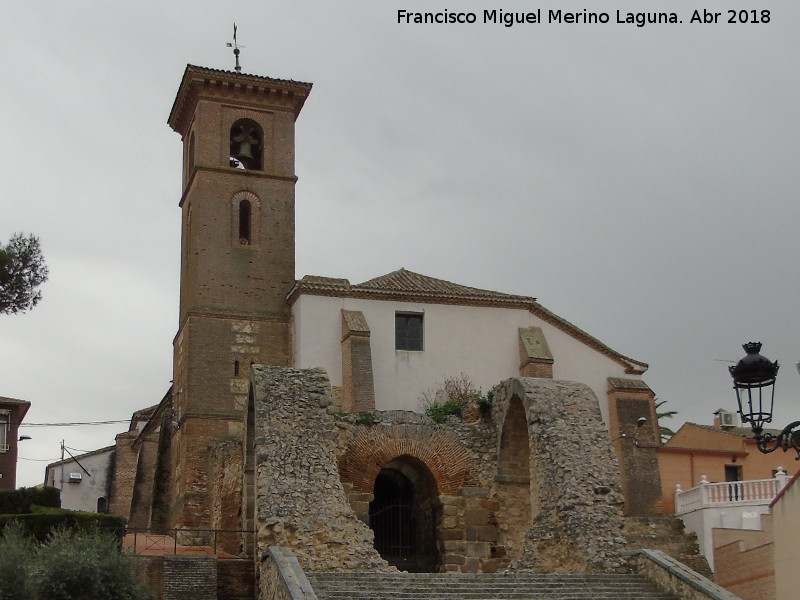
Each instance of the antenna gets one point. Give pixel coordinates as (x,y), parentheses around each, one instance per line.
(235,47)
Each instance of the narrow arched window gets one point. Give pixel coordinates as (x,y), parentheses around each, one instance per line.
(245,210)
(245,219)
(190,164)
(102,505)
(246,145)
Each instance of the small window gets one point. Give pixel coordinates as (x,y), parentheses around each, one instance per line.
(102,505)
(408,331)
(5,424)
(244,223)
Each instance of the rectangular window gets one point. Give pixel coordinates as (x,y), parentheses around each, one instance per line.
(408,331)
(5,424)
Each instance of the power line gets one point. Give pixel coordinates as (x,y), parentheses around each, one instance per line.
(75,424)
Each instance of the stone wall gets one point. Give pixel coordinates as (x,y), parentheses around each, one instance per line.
(575,488)
(533,486)
(300,499)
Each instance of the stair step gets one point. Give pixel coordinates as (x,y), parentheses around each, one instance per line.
(496,586)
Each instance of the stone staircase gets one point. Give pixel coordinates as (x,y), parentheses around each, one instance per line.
(666,533)
(496,586)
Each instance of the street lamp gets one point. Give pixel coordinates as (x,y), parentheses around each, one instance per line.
(754,382)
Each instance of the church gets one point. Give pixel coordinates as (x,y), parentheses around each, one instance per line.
(295,418)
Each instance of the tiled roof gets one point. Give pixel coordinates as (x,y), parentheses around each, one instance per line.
(4,400)
(741,432)
(407,286)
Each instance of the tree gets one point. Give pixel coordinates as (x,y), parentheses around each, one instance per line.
(70,565)
(22,271)
(664,431)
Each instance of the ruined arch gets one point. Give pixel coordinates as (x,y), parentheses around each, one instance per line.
(575,489)
(401,471)
(516,491)
(448,460)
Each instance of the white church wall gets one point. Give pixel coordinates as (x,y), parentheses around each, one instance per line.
(482,342)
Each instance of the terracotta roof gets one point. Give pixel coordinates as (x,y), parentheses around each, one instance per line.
(407,286)
(740,432)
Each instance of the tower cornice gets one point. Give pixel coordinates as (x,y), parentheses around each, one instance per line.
(198,82)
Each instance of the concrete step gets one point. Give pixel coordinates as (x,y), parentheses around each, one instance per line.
(497,586)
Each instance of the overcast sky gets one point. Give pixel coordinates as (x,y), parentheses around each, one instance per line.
(640,182)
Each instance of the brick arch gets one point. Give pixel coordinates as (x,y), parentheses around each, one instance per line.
(372,447)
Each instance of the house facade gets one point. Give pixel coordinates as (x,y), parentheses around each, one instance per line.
(12,412)
(84,480)
(715,453)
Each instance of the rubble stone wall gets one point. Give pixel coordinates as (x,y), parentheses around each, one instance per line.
(300,499)
(558,510)
(574,473)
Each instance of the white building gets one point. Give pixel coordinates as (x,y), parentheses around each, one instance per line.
(387,340)
(84,480)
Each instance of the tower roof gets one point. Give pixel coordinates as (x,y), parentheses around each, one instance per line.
(202,81)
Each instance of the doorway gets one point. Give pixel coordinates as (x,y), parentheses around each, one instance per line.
(404,515)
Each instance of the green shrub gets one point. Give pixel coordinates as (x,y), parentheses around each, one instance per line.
(69,565)
(440,410)
(16,551)
(41,525)
(19,502)
(366,417)
(451,396)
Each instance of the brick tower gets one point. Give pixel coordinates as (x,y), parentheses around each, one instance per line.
(237,266)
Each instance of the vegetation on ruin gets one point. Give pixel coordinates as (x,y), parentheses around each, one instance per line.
(451,396)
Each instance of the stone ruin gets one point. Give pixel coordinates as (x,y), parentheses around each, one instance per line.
(530,484)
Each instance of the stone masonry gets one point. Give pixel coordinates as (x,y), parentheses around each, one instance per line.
(534,485)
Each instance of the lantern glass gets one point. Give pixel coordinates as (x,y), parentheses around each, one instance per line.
(754,382)
(756,404)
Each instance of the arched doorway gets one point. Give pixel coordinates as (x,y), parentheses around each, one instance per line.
(404,515)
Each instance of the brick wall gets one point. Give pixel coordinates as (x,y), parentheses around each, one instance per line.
(125,460)
(358,384)
(189,577)
(636,446)
(744,561)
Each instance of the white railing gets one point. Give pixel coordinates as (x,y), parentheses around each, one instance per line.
(731,493)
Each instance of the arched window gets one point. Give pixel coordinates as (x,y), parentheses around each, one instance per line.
(246,145)
(190,163)
(244,223)
(102,505)
(245,220)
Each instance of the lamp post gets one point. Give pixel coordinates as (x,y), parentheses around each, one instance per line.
(754,382)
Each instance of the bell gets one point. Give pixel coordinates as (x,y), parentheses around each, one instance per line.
(245,150)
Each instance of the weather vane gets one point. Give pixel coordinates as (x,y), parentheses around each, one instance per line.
(235,47)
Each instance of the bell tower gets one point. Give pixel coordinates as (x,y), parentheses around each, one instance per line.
(237,266)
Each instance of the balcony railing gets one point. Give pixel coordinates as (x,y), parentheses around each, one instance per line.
(729,493)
